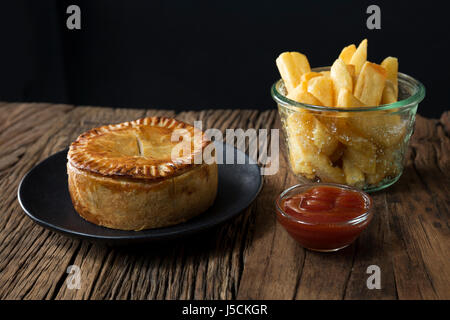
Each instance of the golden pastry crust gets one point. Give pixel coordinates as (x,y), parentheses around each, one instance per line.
(124,177)
(139,149)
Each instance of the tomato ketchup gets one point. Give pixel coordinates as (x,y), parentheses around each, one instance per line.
(324,217)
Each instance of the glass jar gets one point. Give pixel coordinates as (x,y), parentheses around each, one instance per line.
(360,147)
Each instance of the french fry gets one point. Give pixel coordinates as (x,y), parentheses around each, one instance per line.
(370,85)
(309,75)
(303,86)
(296,159)
(305,153)
(325,170)
(359,57)
(351,70)
(375,178)
(347,53)
(322,89)
(313,129)
(388,165)
(347,100)
(353,175)
(323,140)
(301,62)
(300,94)
(341,77)
(386,130)
(301,123)
(356,148)
(299,128)
(348,136)
(389,95)
(362,160)
(337,154)
(291,66)
(390,64)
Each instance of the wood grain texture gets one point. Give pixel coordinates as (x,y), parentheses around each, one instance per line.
(251,257)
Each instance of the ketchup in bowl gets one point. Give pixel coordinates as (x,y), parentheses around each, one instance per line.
(324,216)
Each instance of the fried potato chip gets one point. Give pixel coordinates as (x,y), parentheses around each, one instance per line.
(351,70)
(386,130)
(353,175)
(301,62)
(323,140)
(342,79)
(296,159)
(347,53)
(292,65)
(310,127)
(300,94)
(348,136)
(303,86)
(325,170)
(337,154)
(305,154)
(299,127)
(388,165)
(389,95)
(390,64)
(322,88)
(359,57)
(370,85)
(356,148)
(362,160)
(347,100)
(309,75)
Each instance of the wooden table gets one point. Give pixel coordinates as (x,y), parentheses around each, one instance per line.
(251,257)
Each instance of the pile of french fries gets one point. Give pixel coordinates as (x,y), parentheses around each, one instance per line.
(355,148)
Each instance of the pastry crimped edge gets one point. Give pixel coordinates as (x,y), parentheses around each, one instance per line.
(81,159)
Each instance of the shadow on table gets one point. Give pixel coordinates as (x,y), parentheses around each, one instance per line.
(219,240)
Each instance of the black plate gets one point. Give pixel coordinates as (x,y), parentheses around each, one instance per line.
(44,196)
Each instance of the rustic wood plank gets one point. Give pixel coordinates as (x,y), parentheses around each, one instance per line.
(16,249)
(250,257)
(373,247)
(274,260)
(419,207)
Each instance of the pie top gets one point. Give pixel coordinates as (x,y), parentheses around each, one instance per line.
(141,149)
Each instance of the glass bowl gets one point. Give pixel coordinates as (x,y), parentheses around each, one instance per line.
(324,235)
(360,147)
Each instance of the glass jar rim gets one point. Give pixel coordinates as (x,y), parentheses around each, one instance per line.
(412,100)
(356,220)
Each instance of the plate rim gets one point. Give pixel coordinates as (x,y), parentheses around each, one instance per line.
(137,236)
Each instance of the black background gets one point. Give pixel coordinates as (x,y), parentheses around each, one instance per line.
(204,54)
